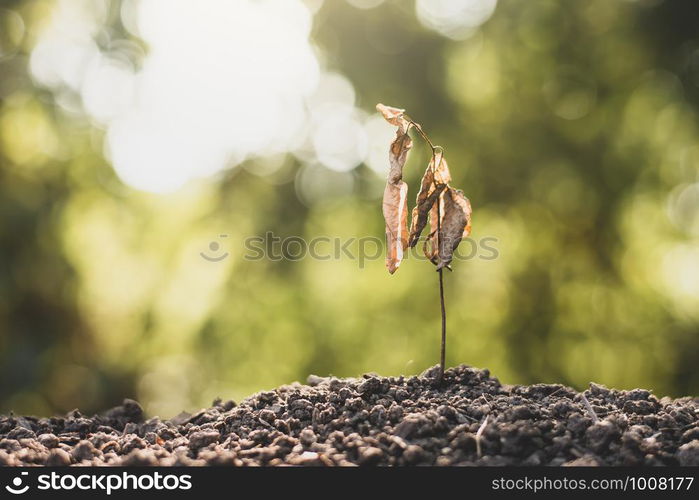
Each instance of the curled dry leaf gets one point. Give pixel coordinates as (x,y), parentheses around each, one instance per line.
(441,172)
(433,183)
(395,197)
(394,116)
(398,154)
(395,212)
(454,225)
(430,248)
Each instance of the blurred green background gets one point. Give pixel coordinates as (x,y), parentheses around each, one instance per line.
(134,134)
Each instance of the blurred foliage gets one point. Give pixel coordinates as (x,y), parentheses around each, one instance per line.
(572,127)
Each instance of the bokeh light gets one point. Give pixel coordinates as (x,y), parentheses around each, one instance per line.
(454,18)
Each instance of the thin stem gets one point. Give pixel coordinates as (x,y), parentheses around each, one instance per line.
(442,358)
(443,351)
(421,132)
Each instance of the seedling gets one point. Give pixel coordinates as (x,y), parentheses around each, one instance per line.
(446,208)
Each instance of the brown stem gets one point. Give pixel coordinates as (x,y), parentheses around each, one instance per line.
(442,358)
(421,132)
(443,351)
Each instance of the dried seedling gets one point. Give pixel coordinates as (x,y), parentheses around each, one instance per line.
(447,209)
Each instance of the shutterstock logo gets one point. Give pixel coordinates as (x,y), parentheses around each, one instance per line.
(16,488)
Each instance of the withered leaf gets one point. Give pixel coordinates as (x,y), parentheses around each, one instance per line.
(441,173)
(394,116)
(395,198)
(455,224)
(434,181)
(395,212)
(398,154)
(430,248)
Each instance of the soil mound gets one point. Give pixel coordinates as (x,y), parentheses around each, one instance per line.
(471,419)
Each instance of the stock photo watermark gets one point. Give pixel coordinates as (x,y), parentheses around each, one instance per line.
(324,248)
(214,247)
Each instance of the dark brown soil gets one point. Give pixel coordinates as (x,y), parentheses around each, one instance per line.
(471,419)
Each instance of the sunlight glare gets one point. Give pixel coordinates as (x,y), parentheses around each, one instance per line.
(455,19)
(222,81)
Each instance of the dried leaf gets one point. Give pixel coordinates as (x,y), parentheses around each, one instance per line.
(433,183)
(441,173)
(395,212)
(432,242)
(454,225)
(395,198)
(394,116)
(398,154)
